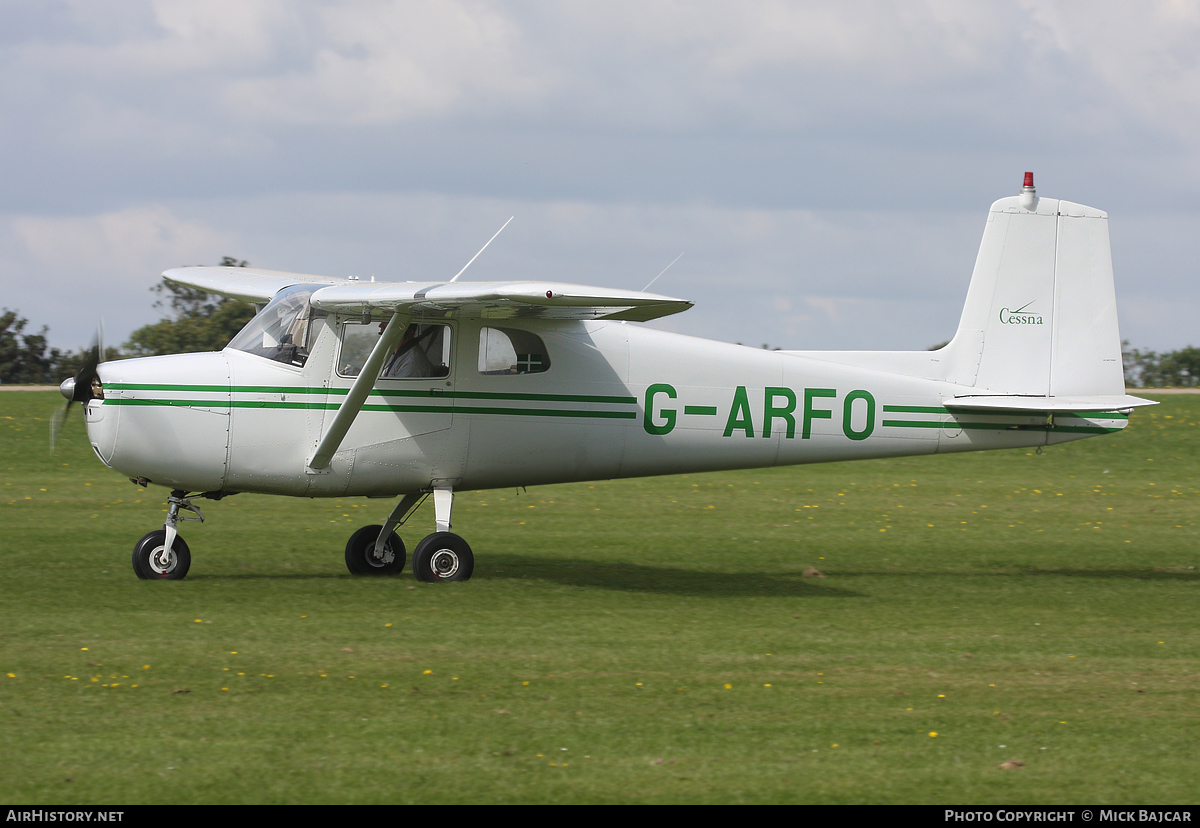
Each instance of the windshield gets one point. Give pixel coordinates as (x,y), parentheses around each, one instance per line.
(280,330)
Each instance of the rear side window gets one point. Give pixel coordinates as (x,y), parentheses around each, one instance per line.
(511,351)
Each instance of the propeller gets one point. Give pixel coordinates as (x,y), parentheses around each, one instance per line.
(85,385)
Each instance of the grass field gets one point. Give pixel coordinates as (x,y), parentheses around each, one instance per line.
(632,641)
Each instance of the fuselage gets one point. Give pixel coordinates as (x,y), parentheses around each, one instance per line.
(612,400)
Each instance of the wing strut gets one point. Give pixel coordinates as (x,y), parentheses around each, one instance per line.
(353,403)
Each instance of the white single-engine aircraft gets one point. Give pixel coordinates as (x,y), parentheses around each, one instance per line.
(341,387)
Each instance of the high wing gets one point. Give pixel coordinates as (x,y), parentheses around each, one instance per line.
(245,283)
(441,300)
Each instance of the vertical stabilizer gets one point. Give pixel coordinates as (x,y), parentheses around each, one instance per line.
(1041,313)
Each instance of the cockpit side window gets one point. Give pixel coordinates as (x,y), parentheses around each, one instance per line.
(280,331)
(511,351)
(424,351)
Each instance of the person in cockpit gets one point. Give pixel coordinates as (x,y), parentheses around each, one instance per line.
(410,359)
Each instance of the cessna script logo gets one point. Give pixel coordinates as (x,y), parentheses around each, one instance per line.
(1020,316)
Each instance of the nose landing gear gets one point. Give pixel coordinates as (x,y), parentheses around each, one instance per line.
(153,560)
(162,554)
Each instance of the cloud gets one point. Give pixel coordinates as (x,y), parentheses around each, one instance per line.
(72,272)
(791,149)
(383,63)
(868,69)
(127,241)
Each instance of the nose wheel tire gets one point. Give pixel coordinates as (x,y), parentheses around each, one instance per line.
(360,553)
(443,556)
(152,561)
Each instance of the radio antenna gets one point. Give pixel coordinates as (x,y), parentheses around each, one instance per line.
(476,256)
(664,270)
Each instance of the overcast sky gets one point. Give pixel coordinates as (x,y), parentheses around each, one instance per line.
(825,167)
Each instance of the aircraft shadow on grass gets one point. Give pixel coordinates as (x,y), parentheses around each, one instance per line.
(660,579)
(625,577)
(1131,574)
(1183,575)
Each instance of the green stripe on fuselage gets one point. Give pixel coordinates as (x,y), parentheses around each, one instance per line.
(377,392)
(1005,412)
(950,424)
(449,408)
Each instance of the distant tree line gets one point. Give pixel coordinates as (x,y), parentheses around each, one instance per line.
(1149,369)
(24,357)
(202,321)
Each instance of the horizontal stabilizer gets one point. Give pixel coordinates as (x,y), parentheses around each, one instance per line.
(1115,402)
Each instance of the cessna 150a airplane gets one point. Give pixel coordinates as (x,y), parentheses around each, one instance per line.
(342,387)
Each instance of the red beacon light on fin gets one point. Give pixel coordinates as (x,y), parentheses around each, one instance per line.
(1028,194)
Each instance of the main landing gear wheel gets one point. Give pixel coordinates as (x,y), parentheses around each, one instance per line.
(360,553)
(443,556)
(152,561)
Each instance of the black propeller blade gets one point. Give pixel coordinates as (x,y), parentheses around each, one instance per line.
(82,387)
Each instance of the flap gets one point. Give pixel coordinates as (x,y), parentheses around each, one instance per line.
(499,300)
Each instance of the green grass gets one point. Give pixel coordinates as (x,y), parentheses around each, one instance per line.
(633,641)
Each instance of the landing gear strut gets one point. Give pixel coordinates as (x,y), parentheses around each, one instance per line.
(442,556)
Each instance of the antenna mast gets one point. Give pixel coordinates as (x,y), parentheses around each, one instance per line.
(476,256)
(664,270)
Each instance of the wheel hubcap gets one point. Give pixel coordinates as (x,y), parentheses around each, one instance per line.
(163,560)
(387,558)
(444,563)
